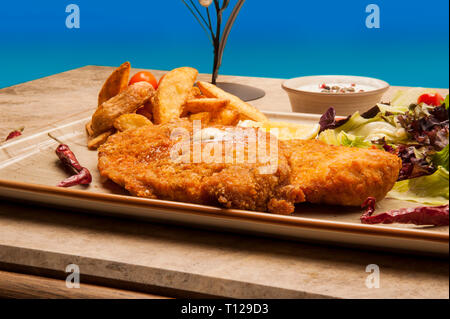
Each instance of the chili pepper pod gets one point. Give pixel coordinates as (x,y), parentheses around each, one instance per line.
(14,134)
(68,158)
(82,178)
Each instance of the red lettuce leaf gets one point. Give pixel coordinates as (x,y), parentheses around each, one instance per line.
(424,215)
(328,120)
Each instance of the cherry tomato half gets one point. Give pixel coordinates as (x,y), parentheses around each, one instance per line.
(145,76)
(431,99)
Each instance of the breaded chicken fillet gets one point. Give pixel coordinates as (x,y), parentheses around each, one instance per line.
(160,162)
(340,175)
(151,162)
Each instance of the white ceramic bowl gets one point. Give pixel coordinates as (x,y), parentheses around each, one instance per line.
(305,101)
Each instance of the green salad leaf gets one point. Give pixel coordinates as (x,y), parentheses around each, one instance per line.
(430,189)
(353,140)
(356,121)
(446,102)
(329,137)
(360,132)
(394,109)
(342,138)
(441,158)
(379,129)
(405,98)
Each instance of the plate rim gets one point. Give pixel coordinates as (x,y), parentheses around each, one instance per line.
(211,211)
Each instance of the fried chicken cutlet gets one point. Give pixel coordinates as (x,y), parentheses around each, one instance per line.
(340,175)
(141,160)
(146,162)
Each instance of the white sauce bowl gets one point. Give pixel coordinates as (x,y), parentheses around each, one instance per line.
(304,100)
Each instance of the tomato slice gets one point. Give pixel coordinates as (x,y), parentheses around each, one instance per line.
(431,99)
(145,76)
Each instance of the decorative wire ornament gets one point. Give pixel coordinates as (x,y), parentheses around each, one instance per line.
(217,37)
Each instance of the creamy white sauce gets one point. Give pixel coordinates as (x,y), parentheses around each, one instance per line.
(317,88)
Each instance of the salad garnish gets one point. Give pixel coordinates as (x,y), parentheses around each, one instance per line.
(415,127)
(425,215)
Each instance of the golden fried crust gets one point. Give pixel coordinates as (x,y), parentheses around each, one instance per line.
(172,93)
(140,160)
(127,101)
(340,175)
(115,83)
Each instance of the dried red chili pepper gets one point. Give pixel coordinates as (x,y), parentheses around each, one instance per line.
(14,134)
(82,178)
(67,157)
(424,215)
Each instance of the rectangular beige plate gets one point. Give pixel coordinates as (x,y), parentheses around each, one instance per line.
(29,169)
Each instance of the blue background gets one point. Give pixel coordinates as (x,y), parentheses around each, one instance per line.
(270,39)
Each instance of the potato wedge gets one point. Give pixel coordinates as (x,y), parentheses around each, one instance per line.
(115,83)
(172,93)
(89,130)
(246,110)
(130,121)
(95,142)
(226,116)
(195,93)
(204,117)
(127,101)
(145,111)
(204,105)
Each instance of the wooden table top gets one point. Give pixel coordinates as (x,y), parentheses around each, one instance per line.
(176,261)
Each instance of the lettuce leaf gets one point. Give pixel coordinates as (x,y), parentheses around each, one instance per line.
(430,189)
(379,129)
(441,158)
(329,137)
(405,98)
(342,138)
(394,109)
(355,121)
(371,129)
(353,140)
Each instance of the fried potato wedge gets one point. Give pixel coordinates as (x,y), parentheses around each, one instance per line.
(246,110)
(130,121)
(226,116)
(127,101)
(195,93)
(204,117)
(95,142)
(115,83)
(146,111)
(204,105)
(89,130)
(172,94)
